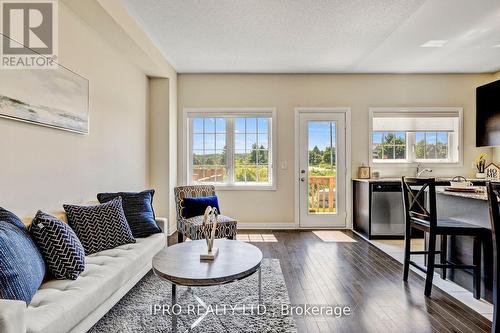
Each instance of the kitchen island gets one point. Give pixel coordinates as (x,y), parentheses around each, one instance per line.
(378,207)
(378,214)
(471,208)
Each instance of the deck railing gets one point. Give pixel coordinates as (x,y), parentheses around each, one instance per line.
(208,175)
(321,194)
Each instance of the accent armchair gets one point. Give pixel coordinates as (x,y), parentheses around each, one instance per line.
(191,227)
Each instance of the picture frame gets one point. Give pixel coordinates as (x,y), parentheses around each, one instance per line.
(56,97)
(364,172)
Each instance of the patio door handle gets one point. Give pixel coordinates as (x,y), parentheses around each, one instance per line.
(302,179)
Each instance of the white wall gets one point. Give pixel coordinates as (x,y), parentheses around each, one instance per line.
(42,168)
(120,30)
(163,117)
(163,147)
(285,92)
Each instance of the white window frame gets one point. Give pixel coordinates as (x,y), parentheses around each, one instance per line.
(269,112)
(410,138)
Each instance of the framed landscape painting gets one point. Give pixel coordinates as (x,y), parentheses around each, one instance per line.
(57,98)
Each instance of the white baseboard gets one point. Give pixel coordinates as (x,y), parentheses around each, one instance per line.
(279,226)
(251,225)
(265,226)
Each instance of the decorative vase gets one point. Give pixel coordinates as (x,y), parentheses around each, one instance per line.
(209,233)
(480,175)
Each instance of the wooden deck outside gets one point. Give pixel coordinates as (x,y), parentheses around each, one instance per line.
(322,194)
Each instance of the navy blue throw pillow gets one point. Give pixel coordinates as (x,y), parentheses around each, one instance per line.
(22,268)
(197,206)
(138,208)
(59,245)
(100,227)
(10,217)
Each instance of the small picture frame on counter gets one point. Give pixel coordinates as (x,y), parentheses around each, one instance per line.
(364,172)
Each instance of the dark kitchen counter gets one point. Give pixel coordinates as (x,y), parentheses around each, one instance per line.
(471,208)
(479,195)
(467,207)
(439,180)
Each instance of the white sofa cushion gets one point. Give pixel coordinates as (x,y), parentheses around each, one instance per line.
(12,316)
(59,305)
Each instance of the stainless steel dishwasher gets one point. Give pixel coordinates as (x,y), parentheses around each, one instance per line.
(387,213)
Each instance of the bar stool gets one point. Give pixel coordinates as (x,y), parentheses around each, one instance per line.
(493,194)
(419,217)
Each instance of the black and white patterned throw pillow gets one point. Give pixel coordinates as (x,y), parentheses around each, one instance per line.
(59,245)
(100,227)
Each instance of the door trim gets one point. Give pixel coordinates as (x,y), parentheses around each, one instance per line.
(348,177)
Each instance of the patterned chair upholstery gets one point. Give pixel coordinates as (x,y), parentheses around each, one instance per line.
(191,227)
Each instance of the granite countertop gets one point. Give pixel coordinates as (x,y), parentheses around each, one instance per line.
(480,195)
(380,180)
(398,179)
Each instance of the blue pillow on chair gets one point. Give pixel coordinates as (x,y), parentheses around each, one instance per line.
(22,268)
(197,206)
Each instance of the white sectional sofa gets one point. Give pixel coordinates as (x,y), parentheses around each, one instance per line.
(61,306)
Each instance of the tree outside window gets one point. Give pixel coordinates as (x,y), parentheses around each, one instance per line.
(431,145)
(389,145)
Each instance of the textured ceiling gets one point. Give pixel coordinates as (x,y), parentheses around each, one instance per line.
(323,36)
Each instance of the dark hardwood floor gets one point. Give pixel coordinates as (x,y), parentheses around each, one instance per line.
(358,275)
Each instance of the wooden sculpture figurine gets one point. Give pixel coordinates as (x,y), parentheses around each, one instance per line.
(209,233)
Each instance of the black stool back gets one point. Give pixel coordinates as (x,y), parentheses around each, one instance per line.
(414,190)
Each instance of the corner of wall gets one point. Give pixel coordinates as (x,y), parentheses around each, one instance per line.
(495,158)
(496,150)
(119,28)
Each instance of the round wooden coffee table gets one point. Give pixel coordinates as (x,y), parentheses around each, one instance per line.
(180,264)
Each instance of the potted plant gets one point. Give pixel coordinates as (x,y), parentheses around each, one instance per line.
(480,165)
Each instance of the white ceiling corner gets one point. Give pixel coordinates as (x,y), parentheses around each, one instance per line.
(328,36)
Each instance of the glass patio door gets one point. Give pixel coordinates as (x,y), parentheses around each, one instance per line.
(322,170)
